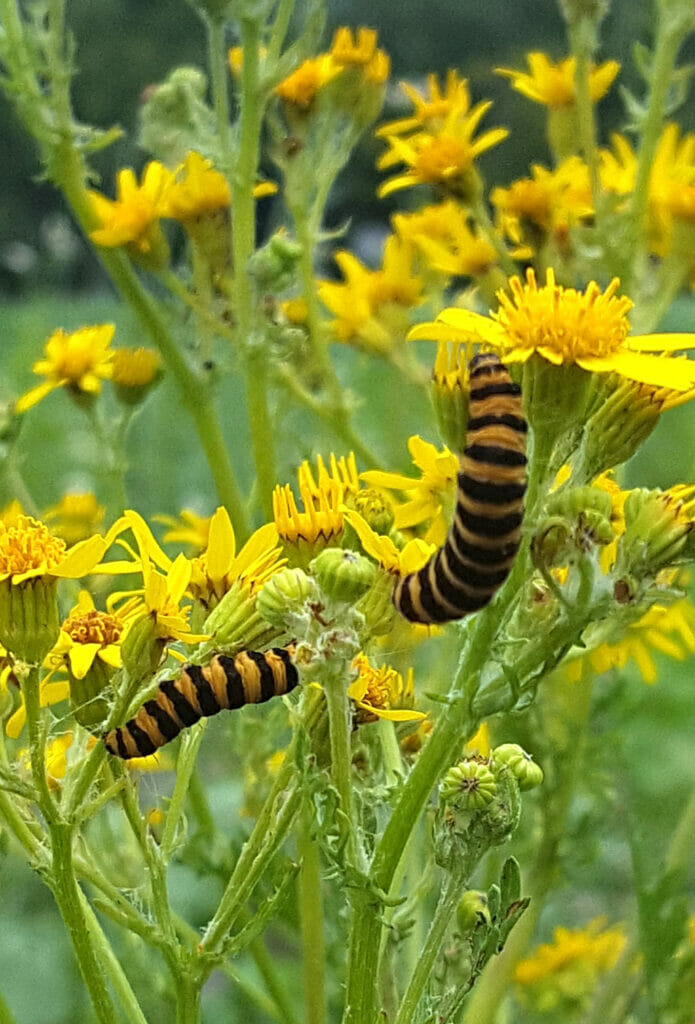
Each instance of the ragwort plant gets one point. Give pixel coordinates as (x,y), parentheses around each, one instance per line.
(366,842)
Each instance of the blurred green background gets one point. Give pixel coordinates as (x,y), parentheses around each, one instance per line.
(48,278)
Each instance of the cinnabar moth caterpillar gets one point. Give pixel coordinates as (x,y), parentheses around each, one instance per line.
(484,538)
(197,692)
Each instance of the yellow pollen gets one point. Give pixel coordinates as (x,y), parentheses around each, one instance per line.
(94,627)
(574,324)
(27,545)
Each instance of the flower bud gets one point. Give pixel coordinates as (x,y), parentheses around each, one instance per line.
(284,596)
(527,773)
(375,509)
(141,651)
(377,605)
(343,575)
(88,704)
(472,911)
(578,518)
(29,619)
(273,266)
(175,118)
(657,529)
(470,785)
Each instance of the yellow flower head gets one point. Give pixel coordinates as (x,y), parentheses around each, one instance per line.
(190,529)
(133,217)
(79,361)
(552,201)
(220,566)
(301,87)
(442,158)
(29,550)
(563,325)
(135,368)
(397,561)
(382,693)
(360,50)
(88,634)
(430,111)
(444,237)
(320,523)
(371,305)
(197,189)
(554,84)
(429,499)
(75,517)
(668,629)
(342,471)
(450,370)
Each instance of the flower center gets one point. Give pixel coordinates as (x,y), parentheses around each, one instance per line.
(94,627)
(444,157)
(566,322)
(27,545)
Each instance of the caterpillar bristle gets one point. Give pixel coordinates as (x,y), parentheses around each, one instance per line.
(479,550)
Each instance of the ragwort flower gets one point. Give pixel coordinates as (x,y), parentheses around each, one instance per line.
(429,499)
(382,693)
(554,84)
(132,219)
(400,562)
(430,111)
(564,326)
(75,517)
(78,361)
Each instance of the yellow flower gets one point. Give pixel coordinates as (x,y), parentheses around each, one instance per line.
(220,566)
(135,367)
(669,629)
(554,84)
(382,693)
(78,361)
(189,529)
(360,50)
(553,201)
(342,471)
(382,549)
(50,693)
(56,759)
(75,517)
(565,326)
(133,217)
(429,499)
(319,524)
(88,634)
(430,111)
(198,188)
(443,158)
(301,87)
(28,550)
(371,305)
(563,974)
(443,235)
(11,513)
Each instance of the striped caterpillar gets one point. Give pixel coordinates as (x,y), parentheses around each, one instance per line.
(198,692)
(481,545)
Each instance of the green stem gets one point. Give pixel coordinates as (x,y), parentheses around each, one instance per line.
(668,41)
(108,960)
(338,705)
(32,845)
(582,39)
(277,990)
(495,981)
(187,996)
(37,743)
(679,855)
(262,432)
(435,936)
(70,902)
(311,918)
(390,751)
(185,767)
(279,31)
(219,75)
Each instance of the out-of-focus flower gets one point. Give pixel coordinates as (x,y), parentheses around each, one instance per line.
(446,240)
(78,361)
(554,84)
(134,371)
(75,517)
(189,529)
(132,219)
(430,110)
(301,87)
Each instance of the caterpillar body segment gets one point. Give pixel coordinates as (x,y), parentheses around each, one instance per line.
(225,683)
(481,545)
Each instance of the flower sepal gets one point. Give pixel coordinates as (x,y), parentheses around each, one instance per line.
(29,618)
(89,704)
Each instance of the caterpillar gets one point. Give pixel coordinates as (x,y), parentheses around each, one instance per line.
(477,555)
(198,692)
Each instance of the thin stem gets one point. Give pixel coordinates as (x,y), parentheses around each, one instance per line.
(311,918)
(582,45)
(338,705)
(435,936)
(262,431)
(279,31)
(32,846)
(219,75)
(185,767)
(277,989)
(37,742)
(108,960)
(390,751)
(679,854)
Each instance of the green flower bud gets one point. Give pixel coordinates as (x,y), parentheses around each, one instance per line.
(273,266)
(470,785)
(284,595)
(658,526)
(472,911)
(577,519)
(142,649)
(527,773)
(29,619)
(343,575)
(176,119)
(377,605)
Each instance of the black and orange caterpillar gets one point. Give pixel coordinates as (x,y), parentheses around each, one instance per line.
(198,692)
(481,545)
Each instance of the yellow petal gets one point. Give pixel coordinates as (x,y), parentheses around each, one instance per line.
(81,558)
(677,374)
(221,544)
(36,394)
(661,342)
(178,578)
(81,657)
